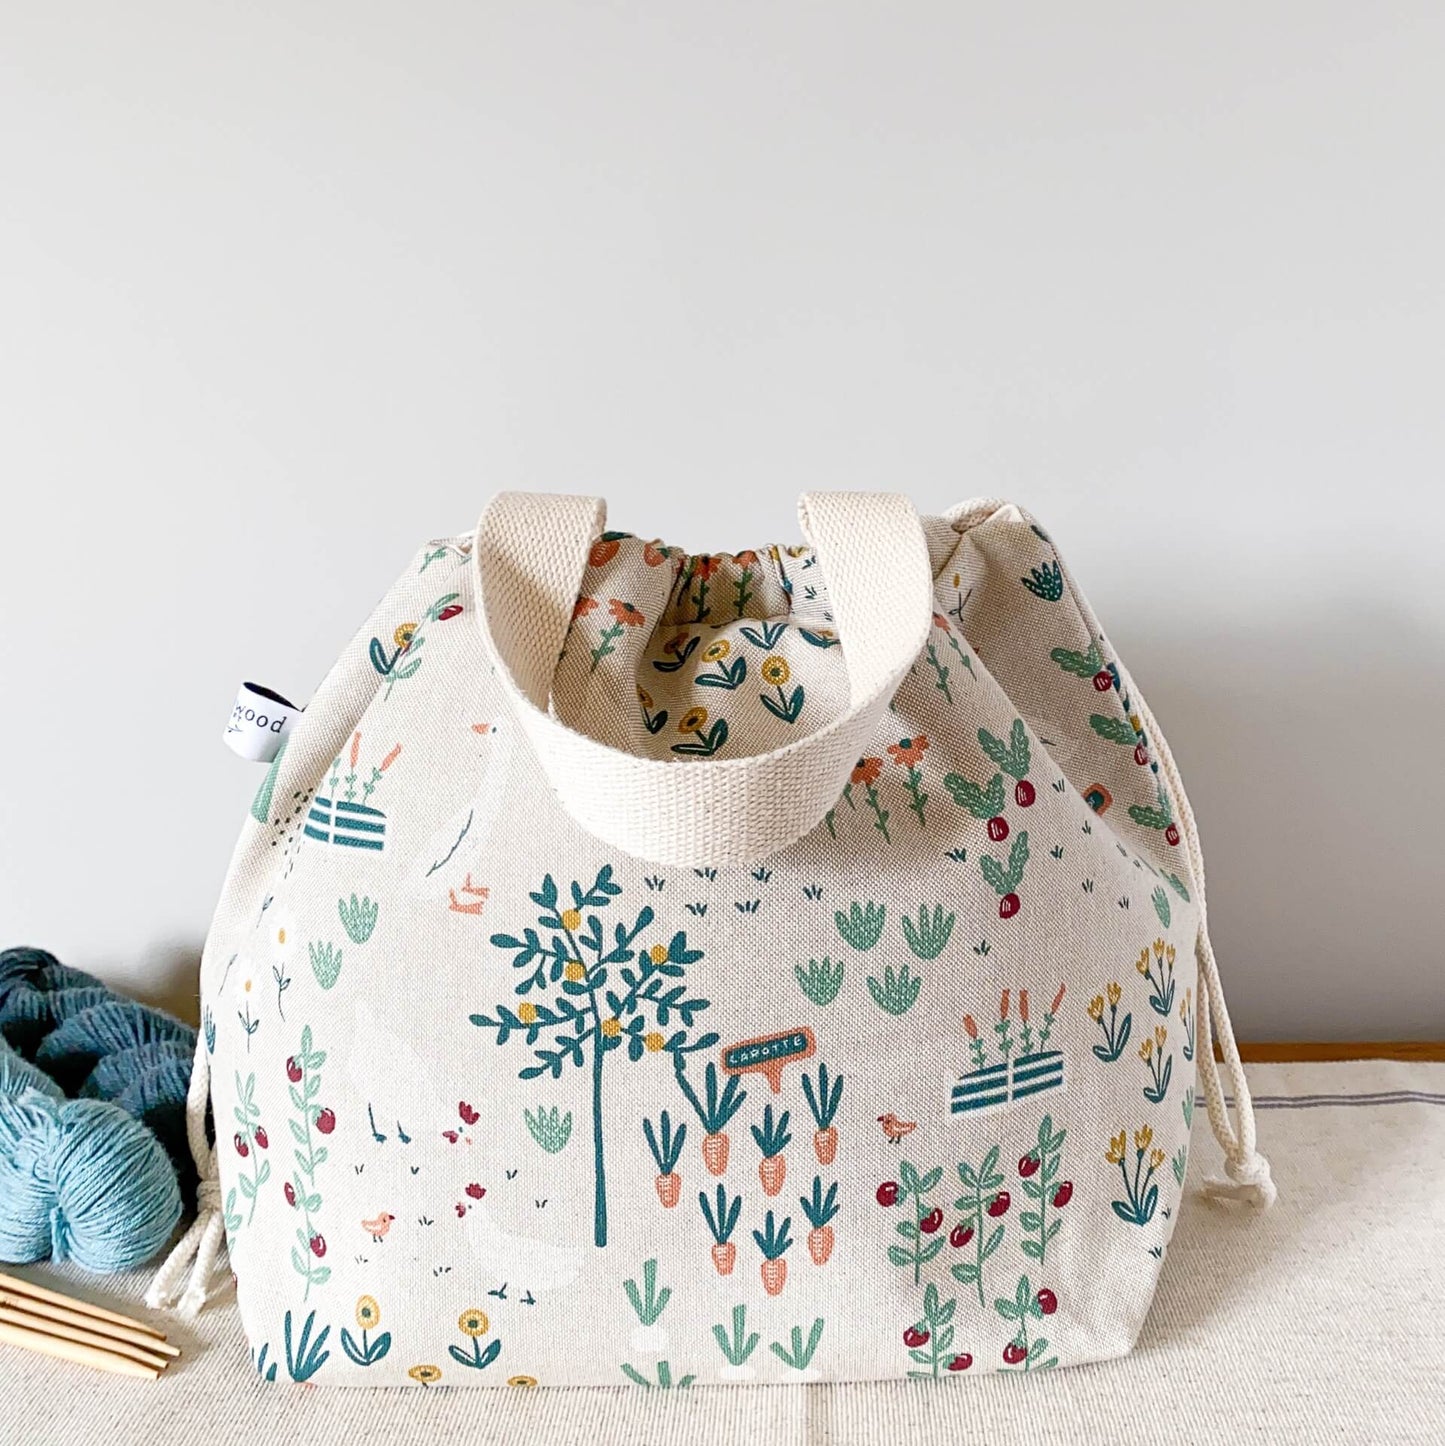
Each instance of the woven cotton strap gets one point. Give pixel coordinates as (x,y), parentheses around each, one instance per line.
(530,553)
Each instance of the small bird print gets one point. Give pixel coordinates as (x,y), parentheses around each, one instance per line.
(895,1128)
(378,1228)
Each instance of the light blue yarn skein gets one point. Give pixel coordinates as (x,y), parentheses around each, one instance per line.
(79,1179)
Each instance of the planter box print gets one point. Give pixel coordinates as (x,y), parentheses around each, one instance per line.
(982,1090)
(337,816)
(348,825)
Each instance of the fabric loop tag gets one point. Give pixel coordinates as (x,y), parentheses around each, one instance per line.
(259,723)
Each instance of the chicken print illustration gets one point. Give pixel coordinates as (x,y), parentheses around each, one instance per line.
(379,1227)
(895,1128)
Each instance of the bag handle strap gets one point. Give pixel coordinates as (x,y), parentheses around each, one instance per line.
(530,553)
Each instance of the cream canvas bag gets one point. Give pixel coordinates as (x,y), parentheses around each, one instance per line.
(783,966)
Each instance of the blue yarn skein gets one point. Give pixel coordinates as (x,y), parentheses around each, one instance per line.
(79,1179)
(93,1179)
(100,1045)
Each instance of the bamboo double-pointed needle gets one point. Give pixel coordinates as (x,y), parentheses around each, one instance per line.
(58,1321)
(38,1325)
(16,1285)
(84,1355)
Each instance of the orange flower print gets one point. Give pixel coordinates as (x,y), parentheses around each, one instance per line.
(624,616)
(695,586)
(625,613)
(583,606)
(939,621)
(867,770)
(909,751)
(603,552)
(653,555)
(747,558)
(676,644)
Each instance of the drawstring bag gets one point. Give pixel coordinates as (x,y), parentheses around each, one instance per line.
(785,966)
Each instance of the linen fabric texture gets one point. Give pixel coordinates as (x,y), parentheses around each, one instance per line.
(642,967)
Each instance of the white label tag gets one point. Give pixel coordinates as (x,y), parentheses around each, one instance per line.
(259,722)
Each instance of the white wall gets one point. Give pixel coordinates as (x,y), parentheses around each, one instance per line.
(286,289)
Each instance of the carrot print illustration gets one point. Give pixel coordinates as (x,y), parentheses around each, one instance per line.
(666,1146)
(722,1221)
(773,1137)
(714,1113)
(774,1241)
(823,1100)
(820,1209)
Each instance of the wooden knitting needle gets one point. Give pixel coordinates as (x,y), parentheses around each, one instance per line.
(129,1334)
(19,1286)
(39,1326)
(49,1345)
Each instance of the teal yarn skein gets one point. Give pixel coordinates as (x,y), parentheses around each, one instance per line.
(92,1179)
(79,1179)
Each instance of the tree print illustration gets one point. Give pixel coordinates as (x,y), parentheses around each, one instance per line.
(591,1017)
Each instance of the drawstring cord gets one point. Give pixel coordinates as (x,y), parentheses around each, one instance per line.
(203,1242)
(1249,1175)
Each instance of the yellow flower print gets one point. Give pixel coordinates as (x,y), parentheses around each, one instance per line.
(571,918)
(281,936)
(1169,956)
(473,1323)
(1114,993)
(1142,962)
(775,670)
(1146,1050)
(1185,1003)
(247,986)
(525,1382)
(644,697)
(612,1026)
(574,970)
(693,721)
(1156,1158)
(1161,1033)
(403,635)
(1096,1008)
(658,953)
(1143,1138)
(425,1374)
(1115,1154)
(1158,948)
(653,1040)
(716,651)
(368,1313)
(527,1012)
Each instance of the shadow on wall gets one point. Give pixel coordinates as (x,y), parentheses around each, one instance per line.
(166,976)
(1309,751)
